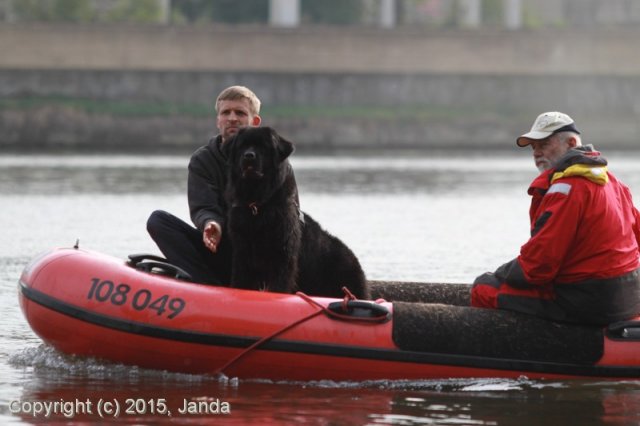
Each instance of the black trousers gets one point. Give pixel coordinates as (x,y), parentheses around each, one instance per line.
(182,245)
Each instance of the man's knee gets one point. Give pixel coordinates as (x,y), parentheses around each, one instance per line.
(484,293)
(484,296)
(157,222)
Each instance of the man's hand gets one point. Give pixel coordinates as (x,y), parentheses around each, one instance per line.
(211,236)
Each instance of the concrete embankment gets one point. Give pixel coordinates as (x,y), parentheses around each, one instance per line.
(104,87)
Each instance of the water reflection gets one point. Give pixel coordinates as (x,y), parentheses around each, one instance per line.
(349,174)
(74,179)
(524,402)
(343,175)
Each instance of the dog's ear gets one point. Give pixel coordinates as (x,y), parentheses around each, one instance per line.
(285,147)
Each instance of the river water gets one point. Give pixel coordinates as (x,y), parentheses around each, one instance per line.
(415,216)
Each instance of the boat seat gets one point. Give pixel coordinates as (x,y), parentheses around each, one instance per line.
(491,333)
(405,291)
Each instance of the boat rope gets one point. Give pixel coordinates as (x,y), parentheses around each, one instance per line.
(322,309)
(345,308)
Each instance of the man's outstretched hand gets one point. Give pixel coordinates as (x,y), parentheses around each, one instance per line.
(212,235)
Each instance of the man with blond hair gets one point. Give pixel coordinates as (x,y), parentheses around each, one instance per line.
(582,262)
(204,251)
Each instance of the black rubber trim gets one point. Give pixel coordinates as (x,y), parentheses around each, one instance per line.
(624,331)
(326,349)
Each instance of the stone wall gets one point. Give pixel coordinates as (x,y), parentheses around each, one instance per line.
(320,50)
(476,88)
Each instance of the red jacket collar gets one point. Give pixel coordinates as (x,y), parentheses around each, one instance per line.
(542,182)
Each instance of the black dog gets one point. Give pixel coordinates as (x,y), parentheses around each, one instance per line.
(275,246)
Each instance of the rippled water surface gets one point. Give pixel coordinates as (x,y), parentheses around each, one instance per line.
(419,217)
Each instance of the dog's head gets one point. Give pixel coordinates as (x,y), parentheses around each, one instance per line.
(255,152)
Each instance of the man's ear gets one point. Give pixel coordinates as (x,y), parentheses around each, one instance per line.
(256,120)
(572,141)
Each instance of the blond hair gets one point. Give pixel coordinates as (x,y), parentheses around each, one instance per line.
(236,93)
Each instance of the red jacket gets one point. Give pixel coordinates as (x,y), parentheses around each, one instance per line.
(583,225)
(582,262)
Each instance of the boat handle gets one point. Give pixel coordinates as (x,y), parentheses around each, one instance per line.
(625,329)
(361,309)
(134,259)
(157,265)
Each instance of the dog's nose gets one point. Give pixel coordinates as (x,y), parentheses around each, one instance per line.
(249,155)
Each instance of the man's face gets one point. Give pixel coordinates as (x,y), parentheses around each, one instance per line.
(233,115)
(547,151)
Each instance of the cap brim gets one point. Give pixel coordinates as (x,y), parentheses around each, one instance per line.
(527,138)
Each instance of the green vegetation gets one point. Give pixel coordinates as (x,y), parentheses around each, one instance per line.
(333,12)
(138,11)
(408,112)
(86,11)
(59,10)
(167,109)
(117,108)
(225,11)
(492,12)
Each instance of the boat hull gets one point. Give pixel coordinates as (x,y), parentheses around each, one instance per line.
(90,304)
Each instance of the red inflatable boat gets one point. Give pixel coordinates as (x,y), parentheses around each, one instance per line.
(89,304)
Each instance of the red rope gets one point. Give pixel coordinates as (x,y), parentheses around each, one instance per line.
(264,340)
(345,300)
(348,296)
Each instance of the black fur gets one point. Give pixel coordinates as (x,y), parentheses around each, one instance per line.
(275,247)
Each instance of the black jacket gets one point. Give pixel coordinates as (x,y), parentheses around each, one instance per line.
(206,184)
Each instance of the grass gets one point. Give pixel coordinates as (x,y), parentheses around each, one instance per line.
(117,108)
(166,109)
